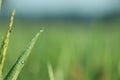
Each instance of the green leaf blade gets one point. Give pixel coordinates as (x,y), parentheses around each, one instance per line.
(19,64)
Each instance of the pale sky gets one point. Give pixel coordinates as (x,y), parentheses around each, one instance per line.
(41,7)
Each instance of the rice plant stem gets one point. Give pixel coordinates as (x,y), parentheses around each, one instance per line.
(4,45)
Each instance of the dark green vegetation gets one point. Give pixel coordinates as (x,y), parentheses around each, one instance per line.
(74,51)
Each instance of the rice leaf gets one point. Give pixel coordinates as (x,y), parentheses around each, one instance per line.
(19,64)
(50,71)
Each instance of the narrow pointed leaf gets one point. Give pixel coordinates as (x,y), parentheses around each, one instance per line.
(50,71)
(19,64)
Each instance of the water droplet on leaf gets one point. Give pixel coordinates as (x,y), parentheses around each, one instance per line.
(22,62)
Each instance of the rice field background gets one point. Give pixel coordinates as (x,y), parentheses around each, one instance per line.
(75,51)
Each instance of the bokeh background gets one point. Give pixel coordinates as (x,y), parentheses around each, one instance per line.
(81,38)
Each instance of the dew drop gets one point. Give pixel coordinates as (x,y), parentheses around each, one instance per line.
(22,62)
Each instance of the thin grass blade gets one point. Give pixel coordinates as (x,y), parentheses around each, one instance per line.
(19,64)
(50,71)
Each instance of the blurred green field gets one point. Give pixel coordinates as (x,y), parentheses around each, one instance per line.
(76,52)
